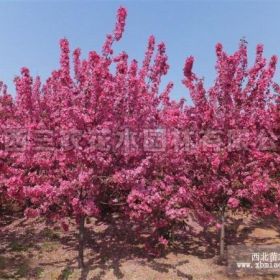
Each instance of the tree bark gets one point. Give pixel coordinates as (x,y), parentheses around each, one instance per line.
(222,236)
(81,242)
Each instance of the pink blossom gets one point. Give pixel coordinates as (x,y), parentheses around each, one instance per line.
(218,226)
(233,202)
(31,213)
(163,241)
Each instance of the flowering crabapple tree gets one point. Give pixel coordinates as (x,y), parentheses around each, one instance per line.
(85,132)
(148,176)
(227,165)
(265,193)
(100,134)
(159,198)
(6,119)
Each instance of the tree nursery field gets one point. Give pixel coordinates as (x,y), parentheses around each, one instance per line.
(105,176)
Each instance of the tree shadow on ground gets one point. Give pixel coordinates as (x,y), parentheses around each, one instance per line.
(117,243)
(111,242)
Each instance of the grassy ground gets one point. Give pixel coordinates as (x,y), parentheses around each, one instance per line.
(31,250)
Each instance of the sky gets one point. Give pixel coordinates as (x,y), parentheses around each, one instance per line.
(30,32)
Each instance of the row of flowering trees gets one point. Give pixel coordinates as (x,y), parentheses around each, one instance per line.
(104,136)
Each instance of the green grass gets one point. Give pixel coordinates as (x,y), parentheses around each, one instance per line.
(18,246)
(49,246)
(37,271)
(65,273)
(23,270)
(50,234)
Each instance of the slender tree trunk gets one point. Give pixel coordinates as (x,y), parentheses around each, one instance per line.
(222,236)
(81,242)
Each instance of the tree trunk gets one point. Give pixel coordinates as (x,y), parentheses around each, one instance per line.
(222,236)
(81,241)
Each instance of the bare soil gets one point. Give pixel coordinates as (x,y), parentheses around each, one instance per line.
(30,249)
